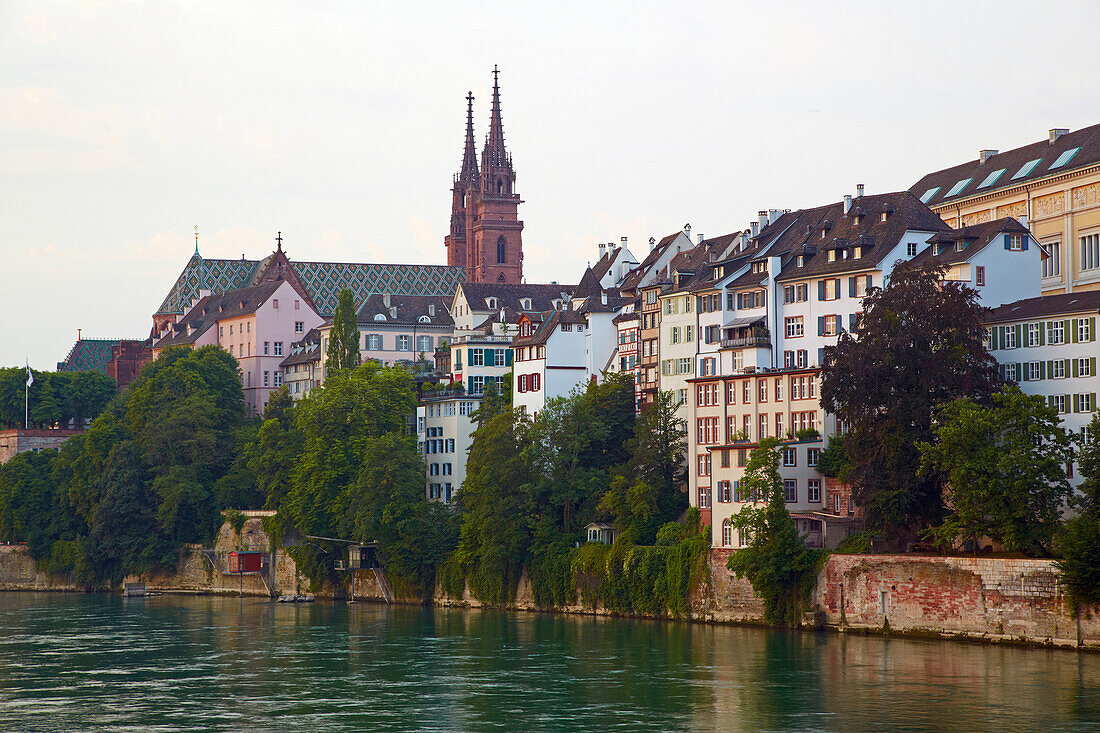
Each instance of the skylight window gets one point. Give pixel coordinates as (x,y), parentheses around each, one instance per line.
(991,178)
(1026,168)
(929,194)
(1064,158)
(958,187)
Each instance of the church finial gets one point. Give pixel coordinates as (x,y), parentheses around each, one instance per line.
(197,240)
(279,242)
(494,143)
(469,155)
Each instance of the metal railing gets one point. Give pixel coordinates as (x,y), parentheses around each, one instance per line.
(736,343)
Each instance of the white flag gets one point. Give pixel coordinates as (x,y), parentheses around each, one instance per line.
(30,377)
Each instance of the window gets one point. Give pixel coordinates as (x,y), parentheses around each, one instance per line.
(1026,168)
(1090,252)
(731,393)
(265,348)
(1034,334)
(1086,367)
(779,389)
(763,390)
(793,326)
(725,493)
(267,379)
(450,446)
(278,348)
(746,392)
(812,456)
(1058,402)
(779,424)
(299,327)
(424,343)
(275,304)
(801,358)
(1064,158)
(374,343)
(979,276)
(725,459)
(1056,369)
(297,305)
(788,359)
(704,464)
(927,195)
(911,249)
(231,329)
(830,325)
(790,490)
(1033,371)
(500,250)
(1009,340)
(1011,372)
(704,497)
(763,427)
(477,357)
(278,377)
(958,188)
(1015,242)
(813,491)
(790,456)
(828,289)
(727,533)
(1084,402)
(403,343)
(1084,330)
(1056,333)
(1052,266)
(742,457)
(477,385)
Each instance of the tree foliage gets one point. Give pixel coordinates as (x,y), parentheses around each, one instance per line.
(343,339)
(1004,465)
(56,398)
(781,569)
(919,346)
(1079,540)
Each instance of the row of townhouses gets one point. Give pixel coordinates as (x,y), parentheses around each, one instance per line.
(735,326)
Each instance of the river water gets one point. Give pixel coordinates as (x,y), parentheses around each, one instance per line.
(72,662)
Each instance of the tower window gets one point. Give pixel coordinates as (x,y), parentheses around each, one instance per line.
(500,251)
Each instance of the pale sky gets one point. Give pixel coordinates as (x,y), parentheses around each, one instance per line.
(125,124)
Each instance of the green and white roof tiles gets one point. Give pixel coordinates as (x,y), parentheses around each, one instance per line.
(322,280)
(89,355)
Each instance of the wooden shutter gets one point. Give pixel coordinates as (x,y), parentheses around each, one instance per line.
(1092,366)
(1073,326)
(836,284)
(851,287)
(1042,370)
(1042,333)
(1008,241)
(508,358)
(821,325)
(1076,403)
(821,290)
(1019,335)
(1075,368)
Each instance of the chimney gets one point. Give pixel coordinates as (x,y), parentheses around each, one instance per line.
(847,203)
(754,228)
(602,246)
(687,231)
(1056,133)
(622,243)
(859,190)
(652,243)
(763,214)
(700,238)
(984,155)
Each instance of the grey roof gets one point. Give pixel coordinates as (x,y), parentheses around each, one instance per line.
(1083,301)
(508,295)
(411,310)
(942,182)
(976,236)
(212,308)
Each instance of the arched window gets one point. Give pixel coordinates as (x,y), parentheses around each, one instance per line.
(727,533)
(500,278)
(500,251)
(500,186)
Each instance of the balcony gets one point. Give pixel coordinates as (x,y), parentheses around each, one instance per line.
(759,340)
(483,339)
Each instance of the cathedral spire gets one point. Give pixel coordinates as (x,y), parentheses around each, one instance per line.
(469,155)
(494,153)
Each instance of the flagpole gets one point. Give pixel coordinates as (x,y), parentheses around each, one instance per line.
(27,397)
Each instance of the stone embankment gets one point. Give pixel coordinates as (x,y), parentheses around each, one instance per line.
(986,599)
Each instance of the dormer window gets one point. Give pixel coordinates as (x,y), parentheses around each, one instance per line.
(857,253)
(525,304)
(823,233)
(424,319)
(843,254)
(379,317)
(491,303)
(883,217)
(855,219)
(832,255)
(759,267)
(960,245)
(800,261)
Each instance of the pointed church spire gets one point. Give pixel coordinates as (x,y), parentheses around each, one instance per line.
(469,155)
(494,153)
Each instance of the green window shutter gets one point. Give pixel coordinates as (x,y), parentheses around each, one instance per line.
(1025,377)
(489,356)
(1065,331)
(508,358)
(1042,333)
(836,283)
(821,290)
(1019,335)
(1073,330)
(1008,241)
(1075,368)
(1066,369)
(1092,329)
(1093,400)
(1076,403)
(1042,370)
(851,287)
(1050,400)
(1050,369)
(1092,366)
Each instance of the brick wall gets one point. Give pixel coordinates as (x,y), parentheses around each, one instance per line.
(14,441)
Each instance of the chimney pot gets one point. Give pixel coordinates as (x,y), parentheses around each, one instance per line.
(984,155)
(859,190)
(847,203)
(1056,133)
(700,238)
(652,243)
(763,214)
(754,228)
(687,230)
(602,246)
(622,242)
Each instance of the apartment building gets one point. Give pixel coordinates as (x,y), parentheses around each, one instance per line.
(1052,186)
(1048,346)
(550,359)
(302,367)
(445,432)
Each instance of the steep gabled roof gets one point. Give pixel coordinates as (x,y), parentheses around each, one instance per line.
(549,324)
(411,310)
(213,308)
(874,237)
(648,262)
(1012,167)
(305,351)
(976,238)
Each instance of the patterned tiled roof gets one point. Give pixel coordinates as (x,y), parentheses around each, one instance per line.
(88,355)
(323,280)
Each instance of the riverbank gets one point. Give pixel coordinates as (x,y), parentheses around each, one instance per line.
(995,600)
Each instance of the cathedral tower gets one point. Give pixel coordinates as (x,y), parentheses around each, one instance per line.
(490,245)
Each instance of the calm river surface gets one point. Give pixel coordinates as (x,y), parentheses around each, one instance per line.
(178,663)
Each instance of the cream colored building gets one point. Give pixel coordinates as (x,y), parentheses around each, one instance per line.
(1052,186)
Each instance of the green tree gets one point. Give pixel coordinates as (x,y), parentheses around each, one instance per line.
(493,401)
(1079,540)
(648,490)
(343,339)
(919,346)
(1004,465)
(781,569)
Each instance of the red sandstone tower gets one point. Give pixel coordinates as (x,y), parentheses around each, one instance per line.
(486,233)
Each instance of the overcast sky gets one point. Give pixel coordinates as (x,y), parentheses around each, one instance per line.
(125,124)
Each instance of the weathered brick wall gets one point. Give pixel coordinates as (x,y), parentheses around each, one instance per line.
(17,572)
(18,440)
(989,597)
(723,597)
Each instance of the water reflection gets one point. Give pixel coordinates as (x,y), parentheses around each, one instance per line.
(89,662)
